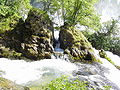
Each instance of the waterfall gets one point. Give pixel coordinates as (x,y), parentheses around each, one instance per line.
(42,71)
(58,52)
(57,46)
(113,73)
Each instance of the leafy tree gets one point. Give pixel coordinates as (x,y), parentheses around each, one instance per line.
(108,37)
(11,11)
(73,11)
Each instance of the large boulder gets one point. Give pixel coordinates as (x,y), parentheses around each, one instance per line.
(38,44)
(33,39)
(76,45)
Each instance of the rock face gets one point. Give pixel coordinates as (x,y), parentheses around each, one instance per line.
(9,85)
(76,45)
(32,38)
(38,42)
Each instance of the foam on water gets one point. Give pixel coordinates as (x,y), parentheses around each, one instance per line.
(56,36)
(29,73)
(113,73)
(114,58)
(22,72)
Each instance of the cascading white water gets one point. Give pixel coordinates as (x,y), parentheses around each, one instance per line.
(114,57)
(113,73)
(35,72)
(56,36)
(24,73)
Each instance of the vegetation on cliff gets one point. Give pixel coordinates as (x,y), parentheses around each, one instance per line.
(31,38)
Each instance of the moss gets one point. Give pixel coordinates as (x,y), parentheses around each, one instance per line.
(80,49)
(63,83)
(9,23)
(30,38)
(7,53)
(9,85)
(104,55)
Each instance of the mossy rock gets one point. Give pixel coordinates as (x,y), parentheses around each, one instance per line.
(73,38)
(37,20)
(30,39)
(9,85)
(77,44)
(8,53)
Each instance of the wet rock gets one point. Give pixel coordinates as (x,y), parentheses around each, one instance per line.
(102,53)
(9,85)
(93,75)
(66,51)
(74,41)
(8,53)
(32,38)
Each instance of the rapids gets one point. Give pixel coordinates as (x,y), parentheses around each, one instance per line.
(40,72)
(37,72)
(24,73)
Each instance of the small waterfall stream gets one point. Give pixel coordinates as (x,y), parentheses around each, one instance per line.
(58,52)
(57,46)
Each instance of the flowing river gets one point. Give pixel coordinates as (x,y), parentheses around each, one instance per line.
(37,72)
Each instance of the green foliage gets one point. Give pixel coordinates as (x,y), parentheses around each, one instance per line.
(11,11)
(63,83)
(107,87)
(73,11)
(104,55)
(9,85)
(8,23)
(107,38)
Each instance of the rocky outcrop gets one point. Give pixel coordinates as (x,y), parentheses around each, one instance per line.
(76,45)
(9,85)
(32,38)
(38,42)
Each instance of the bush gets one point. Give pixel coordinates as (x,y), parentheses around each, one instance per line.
(107,37)
(63,83)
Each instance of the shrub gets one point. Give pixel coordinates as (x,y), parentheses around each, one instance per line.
(107,37)
(63,83)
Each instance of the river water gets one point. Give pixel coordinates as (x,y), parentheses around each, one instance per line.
(37,72)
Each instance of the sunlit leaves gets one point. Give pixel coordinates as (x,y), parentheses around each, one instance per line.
(74,11)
